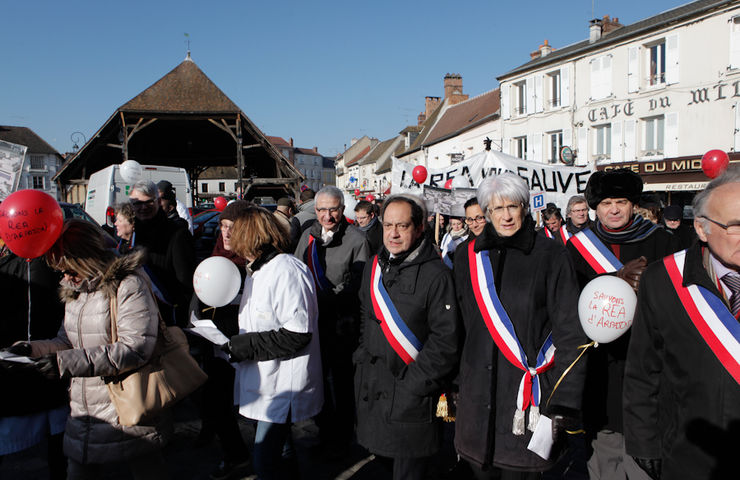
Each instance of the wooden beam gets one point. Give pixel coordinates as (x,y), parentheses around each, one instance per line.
(114,145)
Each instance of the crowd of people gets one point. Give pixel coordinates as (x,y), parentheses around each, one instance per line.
(385,328)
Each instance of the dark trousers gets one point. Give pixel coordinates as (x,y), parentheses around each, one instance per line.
(495,473)
(337,417)
(406,468)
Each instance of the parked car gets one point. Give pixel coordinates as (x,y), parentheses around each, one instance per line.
(205,232)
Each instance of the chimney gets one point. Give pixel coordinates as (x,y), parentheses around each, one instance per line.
(291,141)
(536,54)
(421,118)
(545,49)
(594,30)
(430,104)
(352,142)
(454,89)
(316,149)
(609,25)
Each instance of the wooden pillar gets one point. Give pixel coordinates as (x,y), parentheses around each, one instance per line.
(124,142)
(239,156)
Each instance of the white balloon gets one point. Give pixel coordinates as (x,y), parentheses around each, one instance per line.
(606,308)
(349,206)
(216,281)
(461,181)
(131,171)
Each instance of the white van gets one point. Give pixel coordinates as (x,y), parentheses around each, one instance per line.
(106,188)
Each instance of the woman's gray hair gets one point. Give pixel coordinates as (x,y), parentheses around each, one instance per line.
(731,175)
(147,187)
(507,185)
(333,192)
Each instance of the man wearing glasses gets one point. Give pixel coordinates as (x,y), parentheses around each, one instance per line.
(682,379)
(335,253)
(170,253)
(619,243)
(576,213)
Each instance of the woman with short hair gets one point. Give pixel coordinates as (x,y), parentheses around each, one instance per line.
(278,374)
(125,227)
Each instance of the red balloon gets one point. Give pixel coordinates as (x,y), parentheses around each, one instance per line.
(370,198)
(448,184)
(714,162)
(30,222)
(419,174)
(220,203)
(357,192)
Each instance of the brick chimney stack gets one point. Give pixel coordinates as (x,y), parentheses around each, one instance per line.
(608,25)
(291,141)
(454,88)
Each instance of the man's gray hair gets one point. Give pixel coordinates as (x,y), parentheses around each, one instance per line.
(333,192)
(507,185)
(574,200)
(147,187)
(731,175)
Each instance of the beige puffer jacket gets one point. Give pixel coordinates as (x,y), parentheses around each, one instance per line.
(85,353)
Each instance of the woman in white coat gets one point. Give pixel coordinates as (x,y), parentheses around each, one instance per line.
(278,374)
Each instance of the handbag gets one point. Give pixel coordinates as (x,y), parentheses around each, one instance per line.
(170,375)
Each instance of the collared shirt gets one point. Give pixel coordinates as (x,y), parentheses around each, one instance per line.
(326,235)
(721,270)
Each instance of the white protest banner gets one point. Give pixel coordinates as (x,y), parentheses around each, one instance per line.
(11,161)
(558,182)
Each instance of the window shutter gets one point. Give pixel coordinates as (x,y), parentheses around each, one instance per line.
(505,101)
(606,75)
(506,146)
(630,141)
(633,69)
(565,85)
(537,147)
(539,94)
(583,146)
(670,137)
(530,147)
(530,96)
(595,78)
(671,59)
(735,43)
(568,137)
(616,154)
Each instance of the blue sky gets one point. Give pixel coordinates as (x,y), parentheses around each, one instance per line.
(321,72)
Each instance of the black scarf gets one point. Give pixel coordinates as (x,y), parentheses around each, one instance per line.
(638,229)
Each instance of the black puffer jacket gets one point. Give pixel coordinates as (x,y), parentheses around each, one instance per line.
(396,402)
(537,287)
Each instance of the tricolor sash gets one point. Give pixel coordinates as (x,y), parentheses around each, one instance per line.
(399,336)
(502,331)
(319,277)
(709,314)
(598,255)
(548,233)
(564,234)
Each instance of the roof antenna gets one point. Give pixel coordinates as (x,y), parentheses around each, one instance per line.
(187,35)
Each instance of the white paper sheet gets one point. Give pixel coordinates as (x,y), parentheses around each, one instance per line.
(208,330)
(542,442)
(10,357)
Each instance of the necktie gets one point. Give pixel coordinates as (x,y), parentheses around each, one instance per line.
(732,280)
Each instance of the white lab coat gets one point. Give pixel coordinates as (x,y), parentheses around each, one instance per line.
(183,212)
(281,294)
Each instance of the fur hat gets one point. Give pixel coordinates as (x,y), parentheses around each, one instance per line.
(619,183)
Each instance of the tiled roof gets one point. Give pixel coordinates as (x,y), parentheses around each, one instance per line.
(426,128)
(465,115)
(307,151)
(212,173)
(377,151)
(411,129)
(677,14)
(185,89)
(278,141)
(26,136)
(357,157)
(386,163)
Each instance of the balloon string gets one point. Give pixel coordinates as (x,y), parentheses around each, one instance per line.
(28,269)
(567,370)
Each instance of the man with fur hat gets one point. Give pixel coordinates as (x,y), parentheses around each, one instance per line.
(622,244)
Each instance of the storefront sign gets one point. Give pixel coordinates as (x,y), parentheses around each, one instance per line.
(659,166)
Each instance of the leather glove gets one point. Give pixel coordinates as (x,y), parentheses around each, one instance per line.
(564,420)
(20,348)
(651,466)
(632,271)
(48,366)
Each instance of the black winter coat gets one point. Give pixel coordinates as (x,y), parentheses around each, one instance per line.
(603,393)
(537,286)
(396,403)
(680,404)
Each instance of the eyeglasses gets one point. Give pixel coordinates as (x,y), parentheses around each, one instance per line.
(511,208)
(733,229)
(579,210)
(330,210)
(141,203)
(401,227)
(476,219)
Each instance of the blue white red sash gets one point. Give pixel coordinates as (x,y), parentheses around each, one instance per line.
(317,272)
(548,233)
(564,234)
(399,336)
(598,255)
(709,314)
(502,331)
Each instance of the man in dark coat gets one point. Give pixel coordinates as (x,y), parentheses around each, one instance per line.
(577,215)
(673,219)
(335,253)
(170,258)
(681,395)
(409,344)
(368,222)
(534,280)
(627,243)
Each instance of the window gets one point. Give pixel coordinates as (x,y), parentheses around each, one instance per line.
(553,86)
(657,63)
(556,143)
(203,188)
(654,134)
(735,42)
(603,141)
(601,77)
(520,147)
(38,182)
(236,186)
(520,105)
(221,186)
(37,162)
